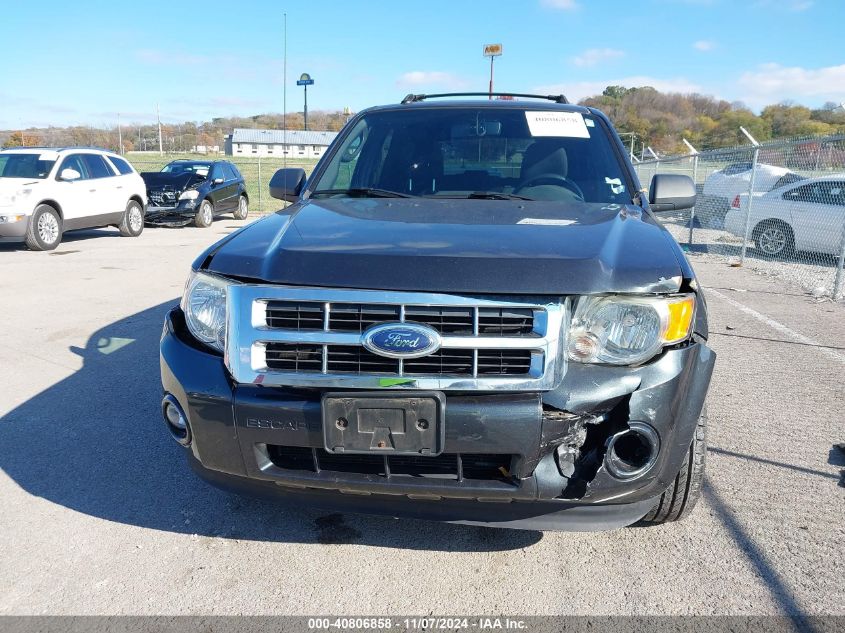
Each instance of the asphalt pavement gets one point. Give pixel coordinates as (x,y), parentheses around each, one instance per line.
(99,513)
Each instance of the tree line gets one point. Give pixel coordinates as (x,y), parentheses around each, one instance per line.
(179,137)
(656,119)
(663,120)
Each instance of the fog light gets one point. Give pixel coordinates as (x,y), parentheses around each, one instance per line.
(176,421)
(632,452)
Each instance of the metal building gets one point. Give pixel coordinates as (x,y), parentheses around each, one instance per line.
(292,143)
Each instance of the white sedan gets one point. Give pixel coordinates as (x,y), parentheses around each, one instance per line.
(804,216)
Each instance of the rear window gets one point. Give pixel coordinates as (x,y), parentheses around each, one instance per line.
(122,166)
(97,166)
(230,171)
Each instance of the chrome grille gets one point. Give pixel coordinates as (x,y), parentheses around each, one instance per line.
(287,336)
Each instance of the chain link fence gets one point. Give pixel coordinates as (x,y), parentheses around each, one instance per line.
(777,208)
(256,172)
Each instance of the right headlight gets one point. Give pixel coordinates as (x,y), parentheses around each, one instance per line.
(204,305)
(627,330)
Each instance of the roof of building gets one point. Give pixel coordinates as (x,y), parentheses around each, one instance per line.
(291,137)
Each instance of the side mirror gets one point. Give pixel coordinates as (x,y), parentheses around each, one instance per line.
(217,181)
(287,184)
(70,175)
(671,192)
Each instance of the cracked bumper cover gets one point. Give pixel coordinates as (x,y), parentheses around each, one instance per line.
(179,215)
(230,451)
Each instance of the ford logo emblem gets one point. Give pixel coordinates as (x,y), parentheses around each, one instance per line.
(401,340)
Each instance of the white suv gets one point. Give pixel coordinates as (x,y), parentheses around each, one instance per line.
(45,192)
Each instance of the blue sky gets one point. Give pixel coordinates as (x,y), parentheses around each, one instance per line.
(82,63)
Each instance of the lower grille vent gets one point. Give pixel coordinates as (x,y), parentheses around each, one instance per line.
(458,466)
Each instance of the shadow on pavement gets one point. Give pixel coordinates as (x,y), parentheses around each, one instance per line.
(95,443)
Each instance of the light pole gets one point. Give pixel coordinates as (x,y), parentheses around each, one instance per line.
(492,51)
(305,81)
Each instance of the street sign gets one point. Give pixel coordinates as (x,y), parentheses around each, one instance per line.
(492,50)
(304,80)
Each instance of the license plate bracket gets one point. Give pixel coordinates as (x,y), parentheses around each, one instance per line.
(377,422)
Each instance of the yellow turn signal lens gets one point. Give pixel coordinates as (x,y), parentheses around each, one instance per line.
(681,311)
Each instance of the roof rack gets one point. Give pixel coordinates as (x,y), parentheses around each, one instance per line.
(412,98)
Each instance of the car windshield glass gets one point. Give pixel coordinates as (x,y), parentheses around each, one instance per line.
(481,153)
(185,167)
(24,166)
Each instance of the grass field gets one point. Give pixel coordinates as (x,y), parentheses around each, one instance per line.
(256,172)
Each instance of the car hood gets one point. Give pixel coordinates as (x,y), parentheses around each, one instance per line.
(175,182)
(466,246)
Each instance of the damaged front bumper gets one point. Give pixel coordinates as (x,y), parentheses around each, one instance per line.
(180,214)
(524,460)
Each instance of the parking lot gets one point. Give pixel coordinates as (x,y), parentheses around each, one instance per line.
(101,514)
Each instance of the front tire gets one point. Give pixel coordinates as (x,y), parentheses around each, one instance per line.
(680,498)
(132,224)
(242,211)
(205,215)
(44,232)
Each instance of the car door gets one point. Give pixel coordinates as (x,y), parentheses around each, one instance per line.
(798,204)
(821,214)
(224,190)
(108,204)
(75,196)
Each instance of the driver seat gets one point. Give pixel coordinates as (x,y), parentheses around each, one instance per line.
(545,157)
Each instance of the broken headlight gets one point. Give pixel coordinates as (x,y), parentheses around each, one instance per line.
(190,196)
(627,330)
(204,305)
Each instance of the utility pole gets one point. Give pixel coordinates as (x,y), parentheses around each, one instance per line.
(119,136)
(492,51)
(160,146)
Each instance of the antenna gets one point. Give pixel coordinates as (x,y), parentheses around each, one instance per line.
(285,100)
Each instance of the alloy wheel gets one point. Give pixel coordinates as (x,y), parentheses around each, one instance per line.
(135,219)
(48,228)
(772,240)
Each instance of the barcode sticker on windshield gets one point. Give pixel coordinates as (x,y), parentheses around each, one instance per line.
(548,123)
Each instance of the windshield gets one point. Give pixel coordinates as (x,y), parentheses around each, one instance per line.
(483,153)
(186,167)
(27,166)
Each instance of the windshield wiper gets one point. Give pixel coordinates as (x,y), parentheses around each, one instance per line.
(495,195)
(364,192)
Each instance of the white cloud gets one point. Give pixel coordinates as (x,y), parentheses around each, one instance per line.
(430,78)
(563,5)
(579,90)
(704,45)
(593,56)
(773,83)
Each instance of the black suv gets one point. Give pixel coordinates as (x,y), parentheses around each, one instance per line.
(186,191)
(469,313)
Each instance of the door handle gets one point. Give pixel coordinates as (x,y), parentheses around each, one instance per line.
(120,186)
(92,190)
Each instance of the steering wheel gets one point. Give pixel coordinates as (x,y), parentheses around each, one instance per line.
(552,179)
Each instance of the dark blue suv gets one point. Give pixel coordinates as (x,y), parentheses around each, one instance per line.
(187,191)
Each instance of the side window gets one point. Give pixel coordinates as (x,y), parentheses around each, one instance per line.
(837,193)
(122,166)
(97,166)
(800,194)
(216,172)
(75,162)
(230,171)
